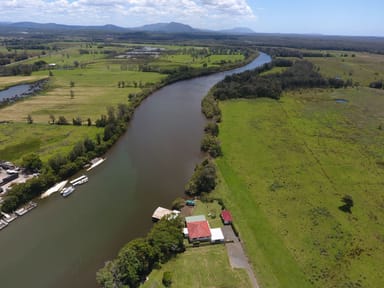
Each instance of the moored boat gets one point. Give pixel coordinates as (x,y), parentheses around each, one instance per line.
(3,224)
(67,191)
(80,180)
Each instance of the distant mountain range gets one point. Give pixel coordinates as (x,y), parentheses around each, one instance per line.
(172,27)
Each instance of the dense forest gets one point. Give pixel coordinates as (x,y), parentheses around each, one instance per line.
(253,84)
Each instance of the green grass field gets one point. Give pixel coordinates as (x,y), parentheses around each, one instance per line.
(206,266)
(363,68)
(286,166)
(18,139)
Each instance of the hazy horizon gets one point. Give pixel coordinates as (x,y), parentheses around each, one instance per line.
(350,18)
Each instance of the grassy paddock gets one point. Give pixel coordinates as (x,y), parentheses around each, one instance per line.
(286,165)
(363,68)
(204,266)
(17,139)
(94,90)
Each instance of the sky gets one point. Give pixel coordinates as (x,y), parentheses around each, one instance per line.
(330,17)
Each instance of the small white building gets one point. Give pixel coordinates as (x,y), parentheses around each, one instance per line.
(217,235)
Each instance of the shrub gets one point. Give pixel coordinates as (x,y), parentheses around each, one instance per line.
(167,279)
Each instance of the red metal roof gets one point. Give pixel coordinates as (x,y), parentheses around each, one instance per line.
(198,229)
(226,215)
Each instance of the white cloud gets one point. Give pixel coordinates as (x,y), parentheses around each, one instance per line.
(127,12)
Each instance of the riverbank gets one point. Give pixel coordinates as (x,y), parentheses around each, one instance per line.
(149,164)
(288,179)
(13,94)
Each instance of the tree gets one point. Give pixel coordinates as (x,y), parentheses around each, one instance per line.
(72,93)
(203,178)
(89,145)
(10,204)
(211,144)
(212,128)
(77,121)
(52,119)
(166,239)
(348,204)
(107,276)
(102,121)
(89,122)
(167,279)
(29,119)
(32,163)
(178,203)
(72,84)
(62,121)
(77,151)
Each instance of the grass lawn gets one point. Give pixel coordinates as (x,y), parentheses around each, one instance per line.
(206,266)
(286,166)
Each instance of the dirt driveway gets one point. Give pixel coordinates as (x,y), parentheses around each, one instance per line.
(236,254)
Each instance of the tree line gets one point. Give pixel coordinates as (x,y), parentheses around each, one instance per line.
(138,257)
(253,84)
(60,167)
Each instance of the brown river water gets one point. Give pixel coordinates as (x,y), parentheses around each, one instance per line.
(63,242)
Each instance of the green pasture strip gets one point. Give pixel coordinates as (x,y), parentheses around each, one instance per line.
(286,166)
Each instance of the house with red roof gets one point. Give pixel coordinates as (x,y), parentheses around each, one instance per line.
(199,231)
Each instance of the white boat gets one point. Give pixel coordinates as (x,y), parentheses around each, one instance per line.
(25,209)
(21,211)
(10,218)
(3,224)
(67,191)
(80,180)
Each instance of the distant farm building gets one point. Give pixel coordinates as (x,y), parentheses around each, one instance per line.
(226,217)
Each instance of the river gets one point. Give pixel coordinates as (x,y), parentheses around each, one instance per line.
(63,242)
(14,91)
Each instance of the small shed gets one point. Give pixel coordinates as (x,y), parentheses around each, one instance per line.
(217,235)
(226,217)
(160,212)
(196,218)
(199,231)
